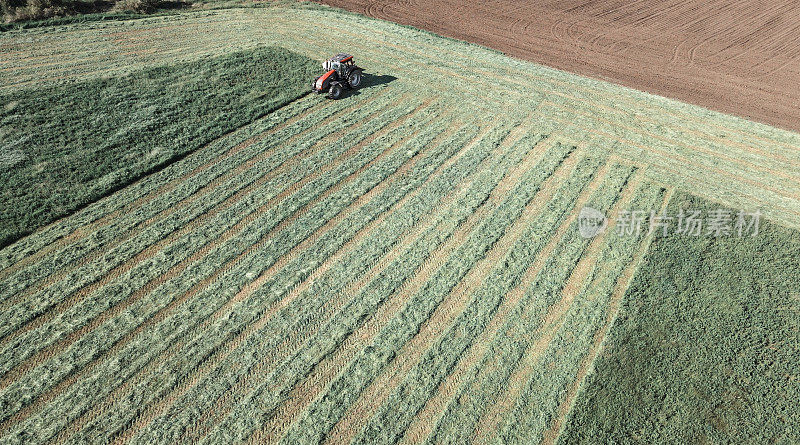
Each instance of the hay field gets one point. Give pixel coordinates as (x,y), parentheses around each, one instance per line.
(400,265)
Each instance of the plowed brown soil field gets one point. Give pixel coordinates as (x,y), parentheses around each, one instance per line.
(734,56)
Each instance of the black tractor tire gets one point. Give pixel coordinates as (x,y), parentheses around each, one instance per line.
(354,79)
(335,91)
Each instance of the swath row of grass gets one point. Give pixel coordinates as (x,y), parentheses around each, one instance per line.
(433,362)
(380,287)
(426,419)
(416,353)
(497,163)
(339,236)
(522,159)
(296,311)
(141,277)
(445,274)
(307,211)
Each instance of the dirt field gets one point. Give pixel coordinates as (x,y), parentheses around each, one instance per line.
(733,56)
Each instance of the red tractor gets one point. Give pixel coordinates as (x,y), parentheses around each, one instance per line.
(341,73)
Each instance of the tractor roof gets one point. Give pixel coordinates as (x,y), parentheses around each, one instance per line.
(341,57)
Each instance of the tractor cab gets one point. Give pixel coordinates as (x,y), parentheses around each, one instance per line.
(341,63)
(340,72)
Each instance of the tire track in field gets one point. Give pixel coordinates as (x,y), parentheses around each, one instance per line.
(247,289)
(380,387)
(162,313)
(53,349)
(423,424)
(324,372)
(555,316)
(615,302)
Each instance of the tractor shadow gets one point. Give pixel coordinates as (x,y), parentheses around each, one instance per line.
(369,81)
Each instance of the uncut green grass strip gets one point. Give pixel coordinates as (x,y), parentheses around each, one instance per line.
(164,201)
(79,316)
(407,322)
(318,383)
(549,385)
(466,414)
(214,344)
(172,321)
(58,233)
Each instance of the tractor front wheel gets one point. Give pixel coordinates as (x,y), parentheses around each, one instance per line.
(354,78)
(335,91)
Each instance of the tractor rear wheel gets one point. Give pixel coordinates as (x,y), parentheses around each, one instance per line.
(335,91)
(354,78)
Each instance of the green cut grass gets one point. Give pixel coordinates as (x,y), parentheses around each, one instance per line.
(66,146)
(696,355)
